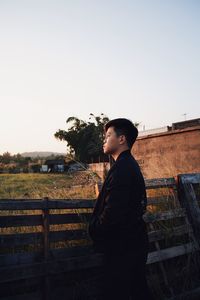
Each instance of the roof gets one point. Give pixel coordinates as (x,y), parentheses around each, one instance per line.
(186,124)
(54,162)
(175,126)
(154,130)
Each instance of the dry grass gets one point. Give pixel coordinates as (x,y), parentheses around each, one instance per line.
(55,186)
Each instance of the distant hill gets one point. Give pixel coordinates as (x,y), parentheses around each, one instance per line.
(40,154)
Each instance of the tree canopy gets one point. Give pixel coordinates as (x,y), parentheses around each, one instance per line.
(84,139)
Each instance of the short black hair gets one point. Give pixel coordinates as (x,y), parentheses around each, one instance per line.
(125,127)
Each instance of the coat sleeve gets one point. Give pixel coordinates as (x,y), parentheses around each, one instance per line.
(116,208)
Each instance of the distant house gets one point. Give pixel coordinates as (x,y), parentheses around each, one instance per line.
(59,165)
(54,165)
(44,168)
(76,166)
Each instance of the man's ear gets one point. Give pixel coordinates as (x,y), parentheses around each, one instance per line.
(122,139)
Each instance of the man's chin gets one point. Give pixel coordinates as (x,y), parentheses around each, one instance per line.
(106,151)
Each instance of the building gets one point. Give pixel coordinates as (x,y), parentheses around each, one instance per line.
(170,150)
(53,165)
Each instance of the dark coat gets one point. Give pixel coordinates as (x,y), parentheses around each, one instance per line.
(116,224)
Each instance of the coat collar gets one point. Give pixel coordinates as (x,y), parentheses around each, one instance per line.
(123,153)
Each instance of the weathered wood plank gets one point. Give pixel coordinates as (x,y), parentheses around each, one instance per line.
(37,256)
(192,178)
(21,204)
(19,272)
(64,235)
(160,183)
(64,253)
(166,215)
(168,253)
(39,204)
(22,220)
(69,218)
(20,258)
(71,203)
(189,201)
(14,240)
(37,295)
(161,199)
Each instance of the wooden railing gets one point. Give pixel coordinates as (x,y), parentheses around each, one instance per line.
(46,253)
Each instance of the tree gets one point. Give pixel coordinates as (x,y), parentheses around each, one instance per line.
(84,139)
(6,158)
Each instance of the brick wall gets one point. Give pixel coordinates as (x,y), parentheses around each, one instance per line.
(168,153)
(99,168)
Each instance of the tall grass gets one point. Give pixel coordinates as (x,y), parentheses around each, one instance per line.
(54,186)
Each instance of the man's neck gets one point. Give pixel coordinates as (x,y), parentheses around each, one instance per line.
(116,154)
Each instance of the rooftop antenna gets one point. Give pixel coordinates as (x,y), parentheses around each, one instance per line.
(185,116)
(143,126)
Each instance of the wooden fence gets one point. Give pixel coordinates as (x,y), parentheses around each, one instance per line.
(46,253)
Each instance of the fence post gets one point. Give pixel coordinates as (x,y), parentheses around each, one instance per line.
(98,187)
(188,200)
(46,249)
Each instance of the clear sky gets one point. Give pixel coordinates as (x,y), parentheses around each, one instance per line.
(133,59)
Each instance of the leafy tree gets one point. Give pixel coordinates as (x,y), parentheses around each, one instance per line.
(6,158)
(21,160)
(84,139)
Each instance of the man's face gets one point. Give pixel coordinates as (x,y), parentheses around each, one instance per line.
(111,141)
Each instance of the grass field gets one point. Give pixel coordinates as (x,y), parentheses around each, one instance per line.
(55,186)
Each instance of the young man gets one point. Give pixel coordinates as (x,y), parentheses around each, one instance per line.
(116,226)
